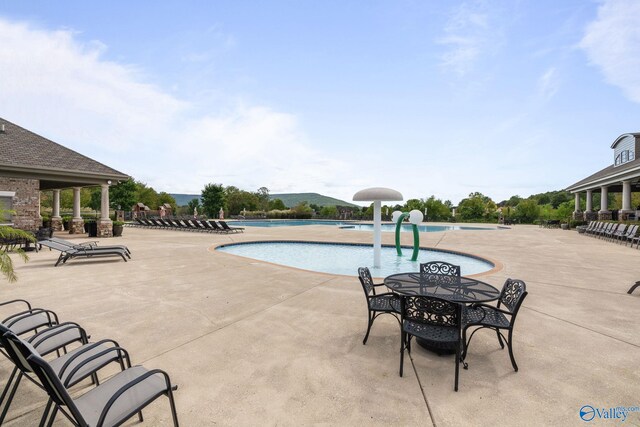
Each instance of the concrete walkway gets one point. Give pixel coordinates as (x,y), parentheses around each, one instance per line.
(251,343)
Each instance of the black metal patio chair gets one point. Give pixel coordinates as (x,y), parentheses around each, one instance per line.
(377,304)
(499,318)
(633,288)
(434,320)
(440,272)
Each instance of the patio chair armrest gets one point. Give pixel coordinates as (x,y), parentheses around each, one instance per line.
(120,355)
(124,388)
(490,307)
(15,301)
(41,338)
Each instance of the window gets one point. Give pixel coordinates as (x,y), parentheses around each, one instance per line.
(6,204)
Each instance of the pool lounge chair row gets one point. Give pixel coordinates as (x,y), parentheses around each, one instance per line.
(58,356)
(188,224)
(611,231)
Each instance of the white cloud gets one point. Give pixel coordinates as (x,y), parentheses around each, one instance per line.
(63,89)
(612,42)
(470,33)
(548,84)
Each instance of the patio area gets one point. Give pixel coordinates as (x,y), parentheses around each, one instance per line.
(251,343)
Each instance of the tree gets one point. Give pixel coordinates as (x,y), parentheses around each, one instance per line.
(240,200)
(166,198)
(277,204)
(527,211)
(329,211)
(123,194)
(302,210)
(414,204)
(472,208)
(263,196)
(193,204)
(8,234)
(437,210)
(213,199)
(95,202)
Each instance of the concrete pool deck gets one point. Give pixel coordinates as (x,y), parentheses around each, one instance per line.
(251,343)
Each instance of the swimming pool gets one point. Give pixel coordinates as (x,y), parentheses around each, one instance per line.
(345,258)
(387,227)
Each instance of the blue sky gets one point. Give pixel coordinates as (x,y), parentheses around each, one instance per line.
(426,97)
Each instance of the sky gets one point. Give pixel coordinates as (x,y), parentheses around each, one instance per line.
(444,98)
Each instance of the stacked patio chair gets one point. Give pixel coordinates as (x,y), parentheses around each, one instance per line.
(501,317)
(629,235)
(110,403)
(377,303)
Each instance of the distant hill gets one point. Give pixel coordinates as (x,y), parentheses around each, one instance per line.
(292,199)
(289,199)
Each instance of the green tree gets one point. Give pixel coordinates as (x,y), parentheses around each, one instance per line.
(527,211)
(414,204)
(302,210)
(95,202)
(193,204)
(6,264)
(437,210)
(240,200)
(213,198)
(147,195)
(263,196)
(472,208)
(329,211)
(123,194)
(277,204)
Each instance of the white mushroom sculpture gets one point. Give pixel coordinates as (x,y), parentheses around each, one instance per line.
(377,195)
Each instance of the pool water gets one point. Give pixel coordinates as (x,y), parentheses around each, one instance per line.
(344,258)
(388,227)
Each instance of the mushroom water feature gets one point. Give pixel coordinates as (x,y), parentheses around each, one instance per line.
(377,195)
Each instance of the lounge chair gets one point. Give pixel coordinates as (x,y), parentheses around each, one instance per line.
(87,244)
(633,288)
(67,253)
(225,226)
(218,228)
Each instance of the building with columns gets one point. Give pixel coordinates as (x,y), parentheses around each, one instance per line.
(30,163)
(622,176)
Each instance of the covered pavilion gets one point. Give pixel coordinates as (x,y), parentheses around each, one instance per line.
(30,163)
(623,176)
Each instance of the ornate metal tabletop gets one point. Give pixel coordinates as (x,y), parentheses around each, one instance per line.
(456,289)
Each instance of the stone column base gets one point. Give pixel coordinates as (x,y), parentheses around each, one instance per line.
(590,216)
(105,228)
(56,224)
(604,216)
(578,216)
(77,226)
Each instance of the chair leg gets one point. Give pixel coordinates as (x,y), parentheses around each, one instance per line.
(172,403)
(633,288)
(403,335)
(45,414)
(500,338)
(53,416)
(457,367)
(510,345)
(10,398)
(369,323)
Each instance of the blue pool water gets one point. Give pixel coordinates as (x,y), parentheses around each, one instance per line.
(352,225)
(343,258)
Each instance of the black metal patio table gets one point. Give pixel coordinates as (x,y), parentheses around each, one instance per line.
(464,290)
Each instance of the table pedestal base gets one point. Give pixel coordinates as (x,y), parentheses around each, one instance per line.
(433,347)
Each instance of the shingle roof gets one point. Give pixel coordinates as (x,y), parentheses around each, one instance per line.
(609,170)
(22,148)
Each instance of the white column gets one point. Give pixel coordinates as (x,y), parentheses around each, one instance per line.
(76,203)
(377,232)
(577,203)
(604,199)
(626,196)
(56,204)
(589,200)
(104,202)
